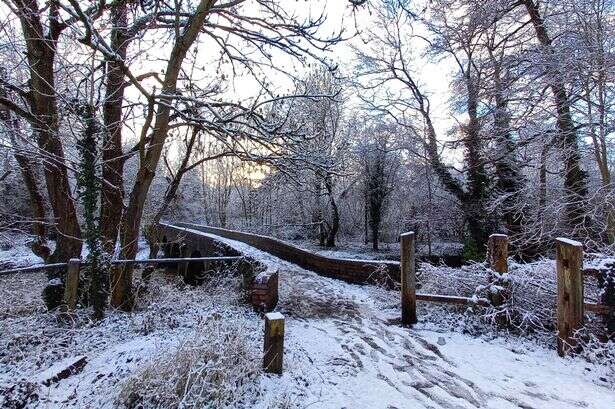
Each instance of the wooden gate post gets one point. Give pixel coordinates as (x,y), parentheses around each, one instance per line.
(408,279)
(71,286)
(497,255)
(273,343)
(570,307)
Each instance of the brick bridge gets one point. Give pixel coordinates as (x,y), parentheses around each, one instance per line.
(193,240)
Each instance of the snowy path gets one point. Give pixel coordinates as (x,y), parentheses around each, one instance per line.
(342,352)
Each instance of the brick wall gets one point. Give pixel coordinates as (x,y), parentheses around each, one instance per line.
(264,291)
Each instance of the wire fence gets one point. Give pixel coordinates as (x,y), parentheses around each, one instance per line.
(154,261)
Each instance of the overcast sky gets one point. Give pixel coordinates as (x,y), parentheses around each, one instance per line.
(435,76)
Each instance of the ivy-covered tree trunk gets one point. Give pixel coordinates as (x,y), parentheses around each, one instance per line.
(377,188)
(317,213)
(510,179)
(472,196)
(475,205)
(89,185)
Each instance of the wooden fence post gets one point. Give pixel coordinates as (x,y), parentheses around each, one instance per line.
(274,343)
(71,286)
(408,279)
(497,255)
(570,307)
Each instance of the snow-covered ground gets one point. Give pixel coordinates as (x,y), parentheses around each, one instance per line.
(17,253)
(343,349)
(388,251)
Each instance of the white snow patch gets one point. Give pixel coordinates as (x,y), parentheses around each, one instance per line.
(569,242)
(272,316)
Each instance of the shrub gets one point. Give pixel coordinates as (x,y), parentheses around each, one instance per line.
(215,367)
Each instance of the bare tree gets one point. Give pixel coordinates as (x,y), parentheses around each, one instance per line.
(574,177)
(27,167)
(593,20)
(41,29)
(389,61)
(222,23)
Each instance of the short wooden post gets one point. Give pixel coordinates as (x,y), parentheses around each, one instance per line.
(497,256)
(408,279)
(71,285)
(570,307)
(274,343)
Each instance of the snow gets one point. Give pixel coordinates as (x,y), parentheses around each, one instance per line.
(355,358)
(353,250)
(17,253)
(343,348)
(598,261)
(263,276)
(273,316)
(396,368)
(569,242)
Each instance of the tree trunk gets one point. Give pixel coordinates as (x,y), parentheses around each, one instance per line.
(599,143)
(27,168)
(169,195)
(41,56)
(112,192)
(375,216)
(477,177)
(509,177)
(375,236)
(472,200)
(152,236)
(121,296)
(542,180)
(335,216)
(37,201)
(41,49)
(365,222)
(574,178)
(317,216)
